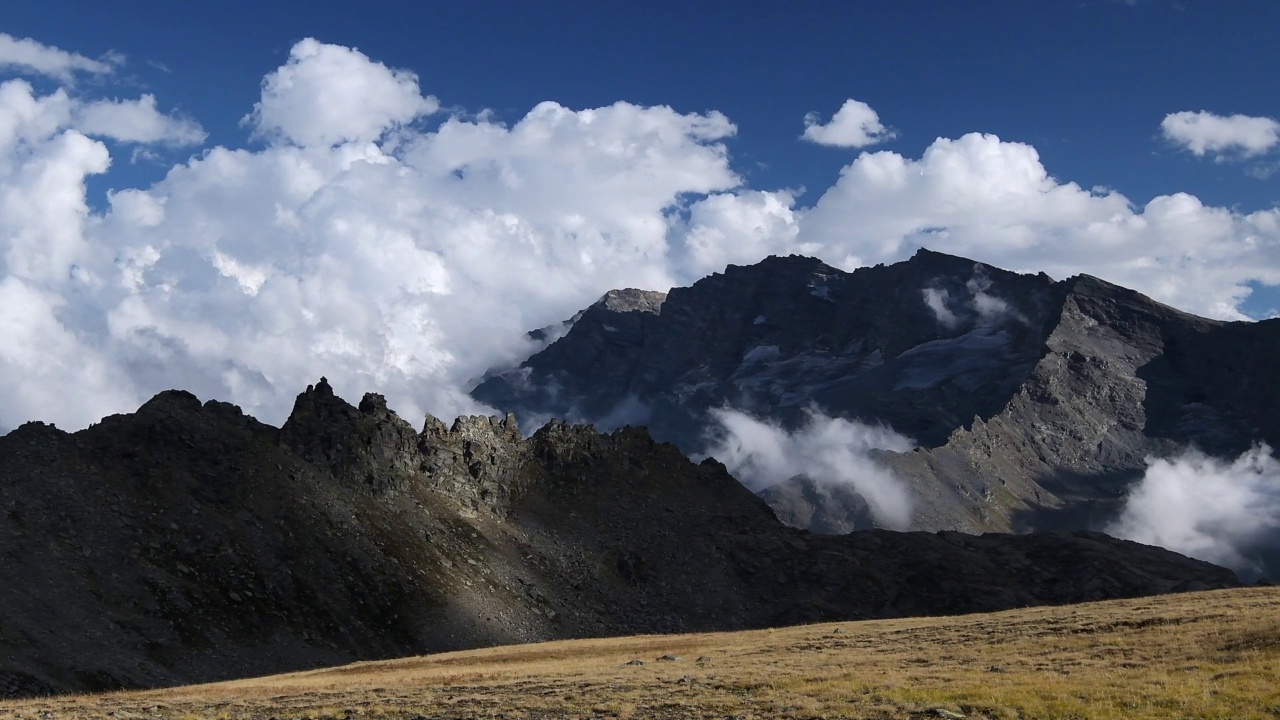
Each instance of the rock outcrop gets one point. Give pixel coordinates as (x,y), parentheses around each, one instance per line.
(188,542)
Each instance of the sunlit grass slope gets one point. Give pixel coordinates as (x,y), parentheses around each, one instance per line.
(1199,655)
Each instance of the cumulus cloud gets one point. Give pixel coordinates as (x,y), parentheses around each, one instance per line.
(351,245)
(329,94)
(27,55)
(43,213)
(409,273)
(1223,511)
(830,451)
(854,125)
(137,121)
(994,201)
(740,227)
(1205,133)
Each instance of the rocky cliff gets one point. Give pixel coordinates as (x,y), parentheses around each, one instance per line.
(188,542)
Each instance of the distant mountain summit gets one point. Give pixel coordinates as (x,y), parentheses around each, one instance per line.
(792,331)
(1032,403)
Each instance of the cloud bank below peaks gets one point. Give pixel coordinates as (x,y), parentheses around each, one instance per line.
(1223,511)
(368,239)
(830,451)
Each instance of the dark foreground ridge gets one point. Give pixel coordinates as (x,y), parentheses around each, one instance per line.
(188,542)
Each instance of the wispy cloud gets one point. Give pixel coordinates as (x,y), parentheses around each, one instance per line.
(977,305)
(830,451)
(137,121)
(27,55)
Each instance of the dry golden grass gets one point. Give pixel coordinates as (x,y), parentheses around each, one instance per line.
(1199,655)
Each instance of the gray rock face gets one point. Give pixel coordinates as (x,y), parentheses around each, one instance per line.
(786,333)
(1034,403)
(188,542)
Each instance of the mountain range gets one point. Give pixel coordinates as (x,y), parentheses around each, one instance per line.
(776,444)
(972,398)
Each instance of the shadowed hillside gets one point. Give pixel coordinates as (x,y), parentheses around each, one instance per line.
(188,542)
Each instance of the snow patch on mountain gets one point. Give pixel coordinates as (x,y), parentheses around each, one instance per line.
(964,359)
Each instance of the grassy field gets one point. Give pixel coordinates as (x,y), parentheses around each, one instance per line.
(1198,655)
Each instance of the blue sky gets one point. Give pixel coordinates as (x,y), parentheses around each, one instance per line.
(1086,82)
(391,194)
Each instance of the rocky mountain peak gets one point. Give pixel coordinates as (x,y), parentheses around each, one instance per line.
(171,401)
(486,425)
(318,406)
(780,264)
(474,461)
(632,300)
(367,445)
(786,333)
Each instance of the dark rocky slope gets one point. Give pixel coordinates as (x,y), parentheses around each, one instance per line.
(188,542)
(1034,403)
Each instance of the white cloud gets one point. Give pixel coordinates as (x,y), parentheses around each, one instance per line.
(42,197)
(25,54)
(854,125)
(1205,132)
(980,197)
(739,227)
(990,308)
(329,94)
(46,366)
(27,120)
(137,121)
(1225,512)
(828,450)
(407,268)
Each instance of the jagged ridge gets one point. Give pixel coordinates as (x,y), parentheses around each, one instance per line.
(188,542)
